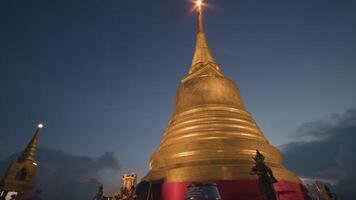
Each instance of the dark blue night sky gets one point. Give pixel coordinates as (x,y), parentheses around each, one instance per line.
(102,74)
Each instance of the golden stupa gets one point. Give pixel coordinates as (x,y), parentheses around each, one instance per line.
(211,135)
(19,178)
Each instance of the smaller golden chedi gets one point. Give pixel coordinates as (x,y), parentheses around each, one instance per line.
(19,177)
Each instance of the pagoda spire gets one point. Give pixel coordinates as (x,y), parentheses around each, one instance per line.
(29,154)
(202,53)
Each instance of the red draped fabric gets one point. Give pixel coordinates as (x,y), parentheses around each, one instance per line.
(290,191)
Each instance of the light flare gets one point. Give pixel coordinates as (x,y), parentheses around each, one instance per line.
(199,4)
(40,125)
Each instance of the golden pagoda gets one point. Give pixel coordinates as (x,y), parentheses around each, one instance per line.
(211,135)
(18,179)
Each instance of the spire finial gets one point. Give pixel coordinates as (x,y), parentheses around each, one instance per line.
(29,153)
(200,16)
(202,54)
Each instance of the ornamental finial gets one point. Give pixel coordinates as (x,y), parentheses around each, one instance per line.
(202,53)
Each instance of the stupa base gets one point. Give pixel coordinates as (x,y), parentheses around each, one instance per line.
(237,190)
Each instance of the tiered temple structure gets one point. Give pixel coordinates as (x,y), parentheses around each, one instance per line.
(212,138)
(18,179)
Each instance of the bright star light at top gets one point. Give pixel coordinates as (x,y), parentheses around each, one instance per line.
(40,125)
(199,4)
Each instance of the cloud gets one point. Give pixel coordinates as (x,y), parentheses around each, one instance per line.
(329,153)
(66,176)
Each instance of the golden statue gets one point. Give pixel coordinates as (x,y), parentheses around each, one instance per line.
(128,188)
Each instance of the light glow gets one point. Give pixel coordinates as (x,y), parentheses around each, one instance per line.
(40,125)
(199,3)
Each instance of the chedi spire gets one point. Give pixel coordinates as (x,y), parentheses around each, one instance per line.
(202,53)
(29,154)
